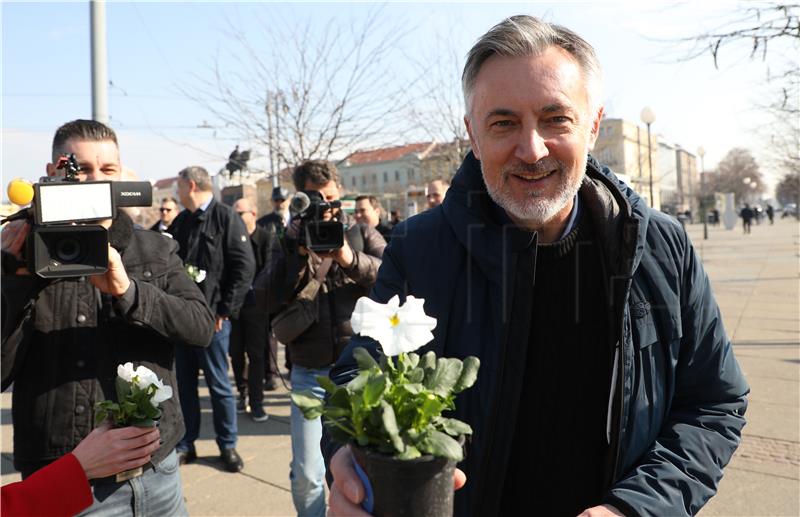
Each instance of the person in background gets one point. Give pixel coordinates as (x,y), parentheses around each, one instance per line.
(63,487)
(369,211)
(249,330)
(436,191)
(279,217)
(214,240)
(166,214)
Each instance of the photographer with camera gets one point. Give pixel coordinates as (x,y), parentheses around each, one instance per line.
(63,335)
(327,262)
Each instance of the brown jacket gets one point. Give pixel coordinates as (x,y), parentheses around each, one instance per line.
(321,344)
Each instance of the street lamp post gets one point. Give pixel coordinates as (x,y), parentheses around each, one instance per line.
(703,210)
(648,117)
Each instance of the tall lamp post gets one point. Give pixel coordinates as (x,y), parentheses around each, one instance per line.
(701,152)
(648,117)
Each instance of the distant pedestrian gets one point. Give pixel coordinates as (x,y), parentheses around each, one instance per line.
(771,214)
(249,331)
(747,217)
(715,214)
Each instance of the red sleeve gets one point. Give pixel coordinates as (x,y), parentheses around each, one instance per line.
(60,488)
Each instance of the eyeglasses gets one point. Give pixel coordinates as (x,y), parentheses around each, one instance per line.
(162,210)
(244,212)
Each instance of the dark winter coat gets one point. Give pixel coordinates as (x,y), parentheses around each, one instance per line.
(677,398)
(63,340)
(216,241)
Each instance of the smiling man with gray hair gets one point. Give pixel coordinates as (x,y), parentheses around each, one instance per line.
(607,383)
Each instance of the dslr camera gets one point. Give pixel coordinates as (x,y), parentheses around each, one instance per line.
(65,238)
(316,234)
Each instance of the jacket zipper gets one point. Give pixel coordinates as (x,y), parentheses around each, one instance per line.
(621,387)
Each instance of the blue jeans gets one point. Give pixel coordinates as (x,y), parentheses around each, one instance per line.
(307,470)
(156,492)
(213,360)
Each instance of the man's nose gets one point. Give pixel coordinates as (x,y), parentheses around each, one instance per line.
(532,146)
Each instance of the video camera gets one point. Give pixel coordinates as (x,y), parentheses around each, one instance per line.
(65,239)
(316,234)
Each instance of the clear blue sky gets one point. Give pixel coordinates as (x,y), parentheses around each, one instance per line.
(156,48)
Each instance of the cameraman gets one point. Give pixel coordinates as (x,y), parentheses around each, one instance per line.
(351,271)
(62,339)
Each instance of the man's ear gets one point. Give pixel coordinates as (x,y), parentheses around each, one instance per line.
(595,129)
(472,143)
(50,169)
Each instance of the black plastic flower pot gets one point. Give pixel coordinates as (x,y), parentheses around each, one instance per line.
(422,487)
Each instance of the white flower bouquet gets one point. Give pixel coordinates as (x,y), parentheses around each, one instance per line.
(139,393)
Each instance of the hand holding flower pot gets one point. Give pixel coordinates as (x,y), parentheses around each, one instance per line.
(391,412)
(139,393)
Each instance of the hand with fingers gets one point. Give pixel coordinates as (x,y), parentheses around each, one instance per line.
(107,451)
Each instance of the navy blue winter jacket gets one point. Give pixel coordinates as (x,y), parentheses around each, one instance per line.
(677,399)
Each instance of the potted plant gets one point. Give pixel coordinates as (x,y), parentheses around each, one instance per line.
(391,413)
(139,394)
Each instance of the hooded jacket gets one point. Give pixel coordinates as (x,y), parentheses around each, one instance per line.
(63,340)
(677,396)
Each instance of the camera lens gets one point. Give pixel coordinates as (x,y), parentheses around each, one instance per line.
(68,249)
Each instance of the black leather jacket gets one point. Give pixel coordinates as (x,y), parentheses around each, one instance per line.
(216,241)
(63,339)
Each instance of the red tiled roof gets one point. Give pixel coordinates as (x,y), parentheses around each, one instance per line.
(165,182)
(387,154)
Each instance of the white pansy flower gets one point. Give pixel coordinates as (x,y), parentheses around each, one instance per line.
(398,329)
(145,377)
(126,372)
(162,393)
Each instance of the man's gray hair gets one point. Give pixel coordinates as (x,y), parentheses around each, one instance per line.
(197,174)
(521,36)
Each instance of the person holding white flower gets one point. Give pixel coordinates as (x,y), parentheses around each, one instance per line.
(62,339)
(607,383)
(343,276)
(212,238)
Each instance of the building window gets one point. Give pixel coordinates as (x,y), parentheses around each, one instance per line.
(354,181)
(411,174)
(397,175)
(385,177)
(363,180)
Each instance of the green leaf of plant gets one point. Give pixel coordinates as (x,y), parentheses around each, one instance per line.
(308,404)
(416,375)
(364,359)
(390,426)
(358,382)
(454,427)
(336,412)
(428,361)
(409,453)
(413,388)
(375,387)
(413,360)
(340,398)
(442,446)
(445,376)
(469,374)
(326,383)
(123,388)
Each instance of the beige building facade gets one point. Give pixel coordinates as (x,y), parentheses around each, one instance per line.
(622,146)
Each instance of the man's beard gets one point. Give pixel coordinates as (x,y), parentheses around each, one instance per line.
(535,208)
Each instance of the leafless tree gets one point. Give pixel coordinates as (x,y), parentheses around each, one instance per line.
(307,91)
(762,29)
(735,173)
(438,111)
(788,189)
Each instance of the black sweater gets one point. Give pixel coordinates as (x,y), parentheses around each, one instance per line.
(556,467)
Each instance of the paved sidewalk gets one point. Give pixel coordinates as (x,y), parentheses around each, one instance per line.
(756,279)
